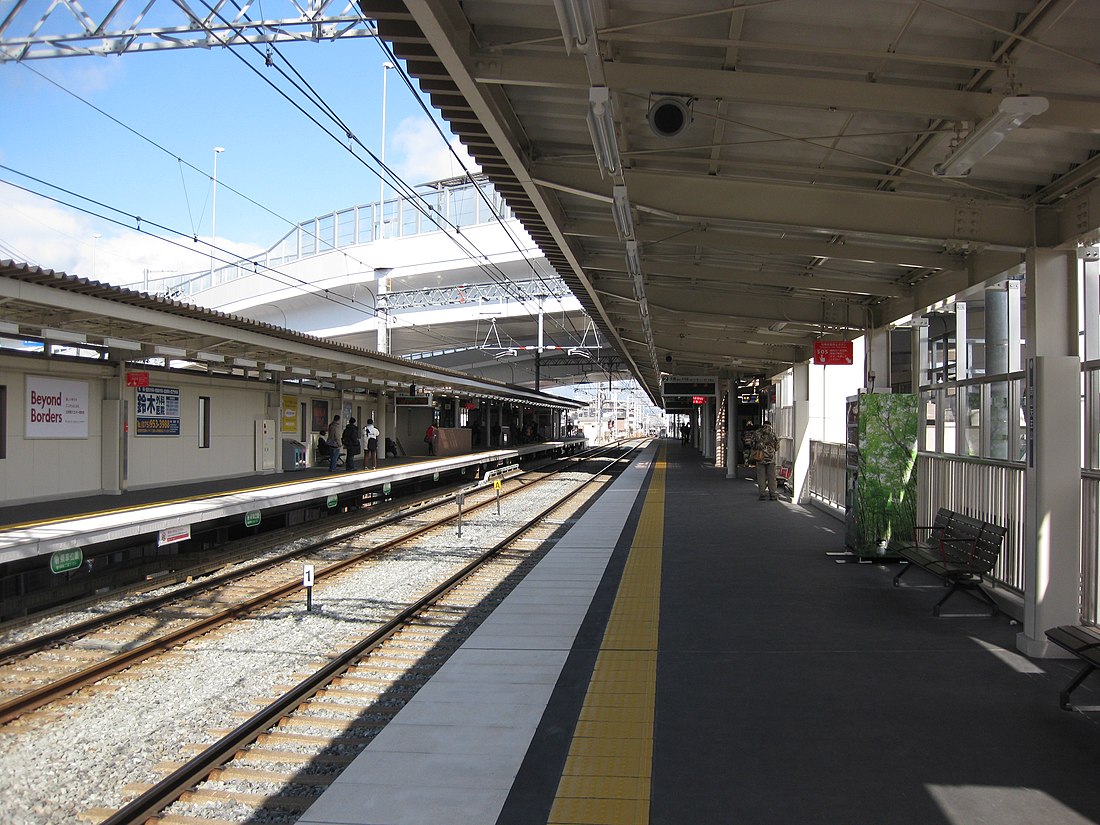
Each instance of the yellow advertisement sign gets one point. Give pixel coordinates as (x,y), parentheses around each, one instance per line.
(290,414)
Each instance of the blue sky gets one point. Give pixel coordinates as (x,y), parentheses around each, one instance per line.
(189,101)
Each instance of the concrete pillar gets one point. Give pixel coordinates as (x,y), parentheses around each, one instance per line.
(1052,530)
(801,430)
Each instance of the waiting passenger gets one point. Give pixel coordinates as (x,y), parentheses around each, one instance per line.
(351,442)
(371,432)
(332,440)
(765,444)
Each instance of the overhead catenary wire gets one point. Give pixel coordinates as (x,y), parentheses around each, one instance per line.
(135,222)
(414,198)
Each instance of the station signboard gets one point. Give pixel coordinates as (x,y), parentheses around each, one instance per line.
(833,353)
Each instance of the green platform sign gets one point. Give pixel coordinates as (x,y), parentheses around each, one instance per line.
(252,518)
(333,501)
(386,489)
(65,560)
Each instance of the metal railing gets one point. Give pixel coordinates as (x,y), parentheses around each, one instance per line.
(983,489)
(827,476)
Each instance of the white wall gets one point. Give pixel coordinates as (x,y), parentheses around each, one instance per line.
(36,469)
(39,468)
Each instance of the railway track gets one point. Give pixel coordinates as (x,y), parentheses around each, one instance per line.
(37,671)
(283,750)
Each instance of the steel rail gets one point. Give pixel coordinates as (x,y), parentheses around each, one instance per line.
(169,789)
(44,694)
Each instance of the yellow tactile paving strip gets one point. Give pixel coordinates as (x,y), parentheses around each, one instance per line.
(607,775)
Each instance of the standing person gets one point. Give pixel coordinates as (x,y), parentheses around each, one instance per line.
(371,433)
(332,440)
(350,440)
(429,438)
(765,444)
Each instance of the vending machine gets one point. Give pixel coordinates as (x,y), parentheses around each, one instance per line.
(881,457)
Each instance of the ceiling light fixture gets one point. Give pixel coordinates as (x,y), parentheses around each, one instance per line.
(620,208)
(633,259)
(983,139)
(601,124)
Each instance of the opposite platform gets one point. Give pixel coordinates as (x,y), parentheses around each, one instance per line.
(722,669)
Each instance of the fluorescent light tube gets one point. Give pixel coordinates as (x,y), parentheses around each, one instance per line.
(575,19)
(633,259)
(1010,115)
(601,124)
(620,208)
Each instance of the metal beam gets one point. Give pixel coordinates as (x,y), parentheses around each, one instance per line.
(813,208)
(925,103)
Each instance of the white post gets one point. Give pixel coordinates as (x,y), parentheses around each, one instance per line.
(382,154)
(1052,535)
(214,212)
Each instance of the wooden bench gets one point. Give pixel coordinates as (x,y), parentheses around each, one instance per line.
(958,549)
(1084,643)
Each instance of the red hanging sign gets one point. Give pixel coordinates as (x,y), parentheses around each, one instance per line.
(137,379)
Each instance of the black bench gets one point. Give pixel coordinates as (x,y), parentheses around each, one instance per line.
(1084,643)
(960,550)
(323,453)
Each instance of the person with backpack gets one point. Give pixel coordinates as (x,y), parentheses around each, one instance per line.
(371,433)
(350,440)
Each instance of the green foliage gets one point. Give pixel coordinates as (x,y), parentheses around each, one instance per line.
(886,492)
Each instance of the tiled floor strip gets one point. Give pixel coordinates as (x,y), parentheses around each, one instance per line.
(607,775)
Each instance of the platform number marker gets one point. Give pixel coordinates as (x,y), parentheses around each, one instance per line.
(307,583)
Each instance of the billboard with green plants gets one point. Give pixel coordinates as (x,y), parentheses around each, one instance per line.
(886,484)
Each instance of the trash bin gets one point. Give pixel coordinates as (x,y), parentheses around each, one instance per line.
(294,455)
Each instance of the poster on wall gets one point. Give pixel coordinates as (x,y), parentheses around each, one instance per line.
(290,413)
(320,416)
(56,408)
(157,411)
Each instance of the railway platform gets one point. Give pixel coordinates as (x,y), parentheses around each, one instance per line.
(688,654)
(118,539)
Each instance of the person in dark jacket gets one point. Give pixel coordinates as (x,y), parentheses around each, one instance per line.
(351,442)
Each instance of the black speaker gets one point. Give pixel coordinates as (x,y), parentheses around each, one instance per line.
(668,116)
(412,389)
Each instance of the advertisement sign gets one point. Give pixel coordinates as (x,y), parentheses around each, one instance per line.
(833,353)
(290,413)
(173,535)
(158,411)
(137,379)
(56,408)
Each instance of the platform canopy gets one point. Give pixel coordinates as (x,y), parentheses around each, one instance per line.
(93,319)
(723,182)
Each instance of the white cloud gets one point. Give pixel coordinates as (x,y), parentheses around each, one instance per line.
(48,235)
(416,153)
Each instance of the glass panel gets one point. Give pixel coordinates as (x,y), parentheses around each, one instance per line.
(325,237)
(461,208)
(973,431)
(366,224)
(345,228)
(998,420)
(389,220)
(950,433)
(928,431)
(309,238)
(410,218)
